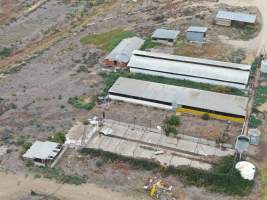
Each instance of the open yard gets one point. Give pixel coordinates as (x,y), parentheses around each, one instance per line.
(53,79)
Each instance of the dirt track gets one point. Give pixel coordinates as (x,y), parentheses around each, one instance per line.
(17,186)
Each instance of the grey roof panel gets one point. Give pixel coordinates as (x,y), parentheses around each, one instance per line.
(166,34)
(198,29)
(236,16)
(191,67)
(219,102)
(41,150)
(123,51)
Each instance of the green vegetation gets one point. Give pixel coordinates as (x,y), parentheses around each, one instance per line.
(25,145)
(110,78)
(260,96)
(149,44)
(249,31)
(254,122)
(5,52)
(107,41)
(170,124)
(205,116)
(79,103)
(173,120)
(58,137)
(59,175)
(254,66)
(223,178)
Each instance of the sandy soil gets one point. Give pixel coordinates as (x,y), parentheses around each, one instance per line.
(16,186)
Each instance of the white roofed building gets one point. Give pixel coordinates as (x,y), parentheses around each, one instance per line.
(192,69)
(121,54)
(43,153)
(181,99)
(165,36)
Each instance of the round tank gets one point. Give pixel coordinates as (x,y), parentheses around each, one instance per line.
(254,135)
(264,66)
(246,169)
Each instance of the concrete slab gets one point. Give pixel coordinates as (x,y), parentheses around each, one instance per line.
(126,148)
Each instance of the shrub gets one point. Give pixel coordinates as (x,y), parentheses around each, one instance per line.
(99,163)
(170,130)
(173,120)
(5,52)
(25,146)
(77,103)
(222,178)
(58,137)
(254,122)
(205,116)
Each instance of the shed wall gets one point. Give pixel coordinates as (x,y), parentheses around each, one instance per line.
(195,36)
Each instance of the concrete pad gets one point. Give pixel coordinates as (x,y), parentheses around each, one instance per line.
(143,153)
(179,161)
(95,142)
(126,148)
(164,159)
(110,144)
(151,138)
(200,165)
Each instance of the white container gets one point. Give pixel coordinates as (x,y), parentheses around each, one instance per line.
(254,135)
(246,169)
(264,66)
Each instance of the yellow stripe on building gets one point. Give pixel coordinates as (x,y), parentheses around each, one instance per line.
(212,115)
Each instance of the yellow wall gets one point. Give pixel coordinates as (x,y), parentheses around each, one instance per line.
(212,115)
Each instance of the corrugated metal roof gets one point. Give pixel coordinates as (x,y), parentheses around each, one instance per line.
(219,102)
(165,34)
(191,67)
(236,16)
(41,150)
(198,29)
(123,51)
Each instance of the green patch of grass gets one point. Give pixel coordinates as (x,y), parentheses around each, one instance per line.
(58,137)
(23,143)
(110,78)
(249,31)
(79,103)
(107,41)
(205,116)
(149,44)
(260,96)
(254,122)
(59,175)
(5,52)
(223,178)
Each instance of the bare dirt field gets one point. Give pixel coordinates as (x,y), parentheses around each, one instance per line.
(34,96)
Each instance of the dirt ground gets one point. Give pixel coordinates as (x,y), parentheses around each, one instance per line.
(152,117)
(34,97)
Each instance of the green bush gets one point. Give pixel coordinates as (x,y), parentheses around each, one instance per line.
(149,44)
(25,146)
(173,120)
(254,122)
(5,52)
(206,116)
(58,137)
(99,163)
(222,178)
(170,130)
(77,103)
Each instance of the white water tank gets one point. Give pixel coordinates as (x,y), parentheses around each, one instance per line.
(264,66)
(247,170)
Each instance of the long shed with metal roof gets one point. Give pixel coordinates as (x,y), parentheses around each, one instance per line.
(193,69)
(183,99)
(121,54)
(226,18)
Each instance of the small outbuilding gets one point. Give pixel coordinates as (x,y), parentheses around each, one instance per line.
(227,18)
(196,33)
(165,36)
(43,153)
(121,54)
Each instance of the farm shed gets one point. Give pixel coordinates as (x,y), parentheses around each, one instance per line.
(196,33)
(43,153)
(226,18)
(165,36)
(120,55)
(181,99)
(193,69)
